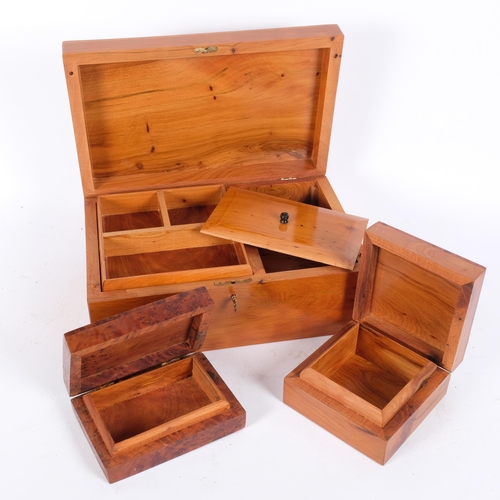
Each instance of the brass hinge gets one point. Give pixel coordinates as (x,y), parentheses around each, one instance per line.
(170,362)
(206,50)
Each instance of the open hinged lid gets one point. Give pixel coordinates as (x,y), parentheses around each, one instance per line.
(180,110)
(136,340)
(288,227)
(418,294)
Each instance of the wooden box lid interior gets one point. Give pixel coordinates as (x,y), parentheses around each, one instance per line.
(184,110)
(136,340)
(418,294)
(307,231)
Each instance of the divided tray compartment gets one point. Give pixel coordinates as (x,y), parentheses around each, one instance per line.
(163,117)
(152,238)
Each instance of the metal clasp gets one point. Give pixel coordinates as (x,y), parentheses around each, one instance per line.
(206,50)
(235,302)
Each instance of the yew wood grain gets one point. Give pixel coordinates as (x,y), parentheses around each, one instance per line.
(378,443)
(419,294)
(271,306)
(325,409)
(270,102)
(154,404)
(369,373)
(375,381)
(311,232)
(139,116)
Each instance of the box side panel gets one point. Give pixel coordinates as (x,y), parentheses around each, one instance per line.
(267,311)
(343,423)
(462,326)
(399,429)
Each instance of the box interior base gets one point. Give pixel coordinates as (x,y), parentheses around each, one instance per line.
(154,404)
(156,416)
(369,373)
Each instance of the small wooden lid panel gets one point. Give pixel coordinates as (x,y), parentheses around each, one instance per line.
(163,111)
(311,232)
(417,293)
(136,340)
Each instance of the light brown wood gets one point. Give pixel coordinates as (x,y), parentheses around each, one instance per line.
(137,128)
(378,443)
(162,131)
(370,374)
(378,377)
(155,404)
(310,232)
(421,295)
(159,404)
(153,238)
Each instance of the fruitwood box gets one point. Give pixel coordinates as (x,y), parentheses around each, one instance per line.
(143,393)
(375,381)
(164,126)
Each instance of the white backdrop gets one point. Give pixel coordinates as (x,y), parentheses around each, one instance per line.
(415,144)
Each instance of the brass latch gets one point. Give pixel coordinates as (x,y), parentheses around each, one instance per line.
(206,50)
(235,302)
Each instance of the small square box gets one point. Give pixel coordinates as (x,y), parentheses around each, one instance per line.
(143,394)
(375,381)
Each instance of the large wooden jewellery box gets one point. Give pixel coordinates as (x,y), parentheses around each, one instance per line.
(165,127)
(375,380)
(144,394)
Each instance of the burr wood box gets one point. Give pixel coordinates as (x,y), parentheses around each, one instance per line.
(376,380)
(144,394)
(164,128)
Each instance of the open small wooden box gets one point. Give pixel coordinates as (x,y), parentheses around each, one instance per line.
(375,381)
(164,126)
(143,393)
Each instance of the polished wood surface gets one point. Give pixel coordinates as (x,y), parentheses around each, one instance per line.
(275,301)
(370,374)
(142,396)
(154,404)
(310,232)
(269,100)
(130,342)
(152,238)
(421,295)
(380,375)
(378,443)
(162,131)
(147,426)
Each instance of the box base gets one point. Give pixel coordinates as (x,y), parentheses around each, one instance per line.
(378,443)
(130,461)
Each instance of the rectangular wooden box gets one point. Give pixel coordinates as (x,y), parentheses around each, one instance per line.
(143,394)
(164,126)
(375,380)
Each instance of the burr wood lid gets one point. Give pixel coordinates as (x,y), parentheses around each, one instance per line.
(136,340)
